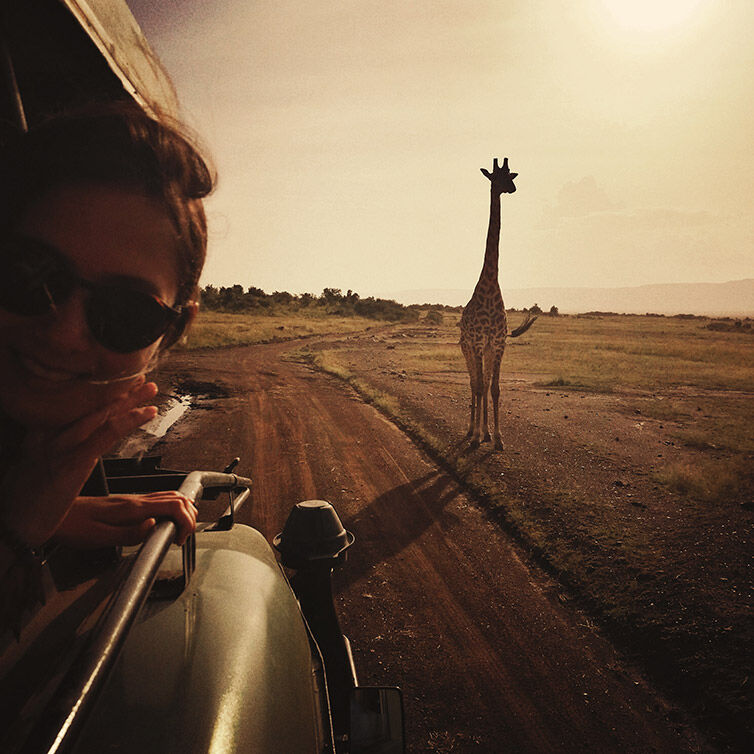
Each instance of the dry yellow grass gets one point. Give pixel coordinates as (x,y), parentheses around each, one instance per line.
(218,330)
(603,353)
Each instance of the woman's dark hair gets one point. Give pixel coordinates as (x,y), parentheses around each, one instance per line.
(115,143)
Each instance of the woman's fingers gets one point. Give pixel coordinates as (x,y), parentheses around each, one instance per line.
(111,431)
(113,421)
(143,529)
(175,506)
(98,520)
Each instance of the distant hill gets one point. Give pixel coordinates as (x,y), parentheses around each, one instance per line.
(735,298)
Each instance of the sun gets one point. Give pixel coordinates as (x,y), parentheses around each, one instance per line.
(652,15)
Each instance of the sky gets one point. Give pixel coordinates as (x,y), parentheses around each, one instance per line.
(348,138)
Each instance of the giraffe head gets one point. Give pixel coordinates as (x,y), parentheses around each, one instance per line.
(501,178)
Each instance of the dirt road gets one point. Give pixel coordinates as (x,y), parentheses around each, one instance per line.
(434,597)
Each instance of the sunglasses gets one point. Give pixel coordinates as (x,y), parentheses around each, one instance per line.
(37,278)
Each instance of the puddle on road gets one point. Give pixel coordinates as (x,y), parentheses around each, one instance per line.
(177,407)
(145,437)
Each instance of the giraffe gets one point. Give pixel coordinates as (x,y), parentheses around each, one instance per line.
(484,327)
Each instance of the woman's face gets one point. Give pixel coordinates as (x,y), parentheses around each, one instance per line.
(50,363)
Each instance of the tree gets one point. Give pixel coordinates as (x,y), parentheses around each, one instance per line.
(210,297)
(554,311)
(332,295)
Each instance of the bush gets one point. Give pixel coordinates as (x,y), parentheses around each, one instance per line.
(235,300)
(434,317)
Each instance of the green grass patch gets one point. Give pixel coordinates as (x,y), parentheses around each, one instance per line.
(644,353)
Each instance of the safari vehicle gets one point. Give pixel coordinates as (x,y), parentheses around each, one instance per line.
(209,647)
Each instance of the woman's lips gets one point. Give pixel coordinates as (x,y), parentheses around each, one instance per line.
(48,372)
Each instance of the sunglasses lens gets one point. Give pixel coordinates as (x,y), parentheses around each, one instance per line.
(126,320)
(35,278)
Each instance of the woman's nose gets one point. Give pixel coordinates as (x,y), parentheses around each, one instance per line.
(66,325)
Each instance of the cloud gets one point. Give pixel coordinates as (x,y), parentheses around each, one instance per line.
(586,203)
(640,219)
(581,198)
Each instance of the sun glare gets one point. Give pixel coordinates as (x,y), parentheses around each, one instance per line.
(651,15)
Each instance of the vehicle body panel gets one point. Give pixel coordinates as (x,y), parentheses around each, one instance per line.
(226,666)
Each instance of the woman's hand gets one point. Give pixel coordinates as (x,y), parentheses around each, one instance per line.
(124,519)
(52,465)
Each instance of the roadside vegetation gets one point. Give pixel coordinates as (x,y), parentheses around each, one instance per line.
(604,352)
(642,356)
(235,316)
(332,302)
(223,329)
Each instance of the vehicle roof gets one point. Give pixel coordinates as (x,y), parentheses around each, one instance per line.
(69,52)
(117,36)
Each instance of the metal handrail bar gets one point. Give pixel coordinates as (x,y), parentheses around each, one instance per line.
(230,512)
(66,714)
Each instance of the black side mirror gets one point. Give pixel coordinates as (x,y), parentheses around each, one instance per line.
(377,720)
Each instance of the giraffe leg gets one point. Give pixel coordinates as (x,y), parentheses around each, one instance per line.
(471,368)
(488,365)
(478,387)
(495,393)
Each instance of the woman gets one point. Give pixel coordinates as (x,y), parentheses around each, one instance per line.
(102,240)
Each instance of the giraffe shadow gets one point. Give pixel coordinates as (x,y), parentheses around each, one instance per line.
(393,521)
(472,455)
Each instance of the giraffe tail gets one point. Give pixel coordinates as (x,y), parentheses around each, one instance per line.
(524,326)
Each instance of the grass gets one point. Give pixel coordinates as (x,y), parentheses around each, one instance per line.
(710,481)
(219,330)
(720,431)
(646,355)
(598,354)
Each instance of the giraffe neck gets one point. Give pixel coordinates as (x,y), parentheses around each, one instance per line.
(488,277)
